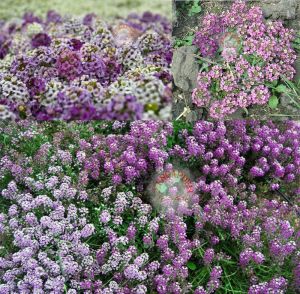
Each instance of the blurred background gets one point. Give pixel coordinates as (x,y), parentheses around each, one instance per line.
(106,8)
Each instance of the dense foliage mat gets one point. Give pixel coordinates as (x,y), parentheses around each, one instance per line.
(149,207)
(249,57)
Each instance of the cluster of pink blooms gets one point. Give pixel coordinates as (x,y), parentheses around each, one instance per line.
(76,214)
(173,191)
(248,53)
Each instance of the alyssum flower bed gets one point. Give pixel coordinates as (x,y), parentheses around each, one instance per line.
(149,207)
(245,59)
(85,68)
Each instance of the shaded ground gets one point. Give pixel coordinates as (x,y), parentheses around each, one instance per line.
(185,24)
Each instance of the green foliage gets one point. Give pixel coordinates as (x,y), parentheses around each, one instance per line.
(288,88)
(273,102)
(234,280)
(293,92)
(178,126)
(296,42)
(254,60)
(185,41)
(195,8)
(191,265)
(162,188)
(281,89)
(189,7)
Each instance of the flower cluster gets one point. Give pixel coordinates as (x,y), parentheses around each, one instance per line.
(248,55)
(127,158)
(77,212)
(82,69)
(172,191)
(49,234)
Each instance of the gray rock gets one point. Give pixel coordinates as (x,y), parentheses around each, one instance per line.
(293,110)
(194,115)
(289,106)
(238,114)
(283,9)
(185,68)
(285,100)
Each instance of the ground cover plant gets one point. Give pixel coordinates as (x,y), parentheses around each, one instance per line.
(245,61)
(149,207)
(114,8)
(65,67)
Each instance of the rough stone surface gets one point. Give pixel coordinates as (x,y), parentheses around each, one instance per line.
(283,9)
(180,101)
(285,100)
(185,68)
(275,9)
(194,115)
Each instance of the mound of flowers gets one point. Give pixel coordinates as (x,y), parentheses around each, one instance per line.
(246,57)
(85,68)
(149,207)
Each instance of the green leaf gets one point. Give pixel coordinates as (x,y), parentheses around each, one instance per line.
(162,188)
(273,102)
(185,41)
(204,66)
(189,40)
(192,266)
(281,89)
(196,8)
(177,179)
